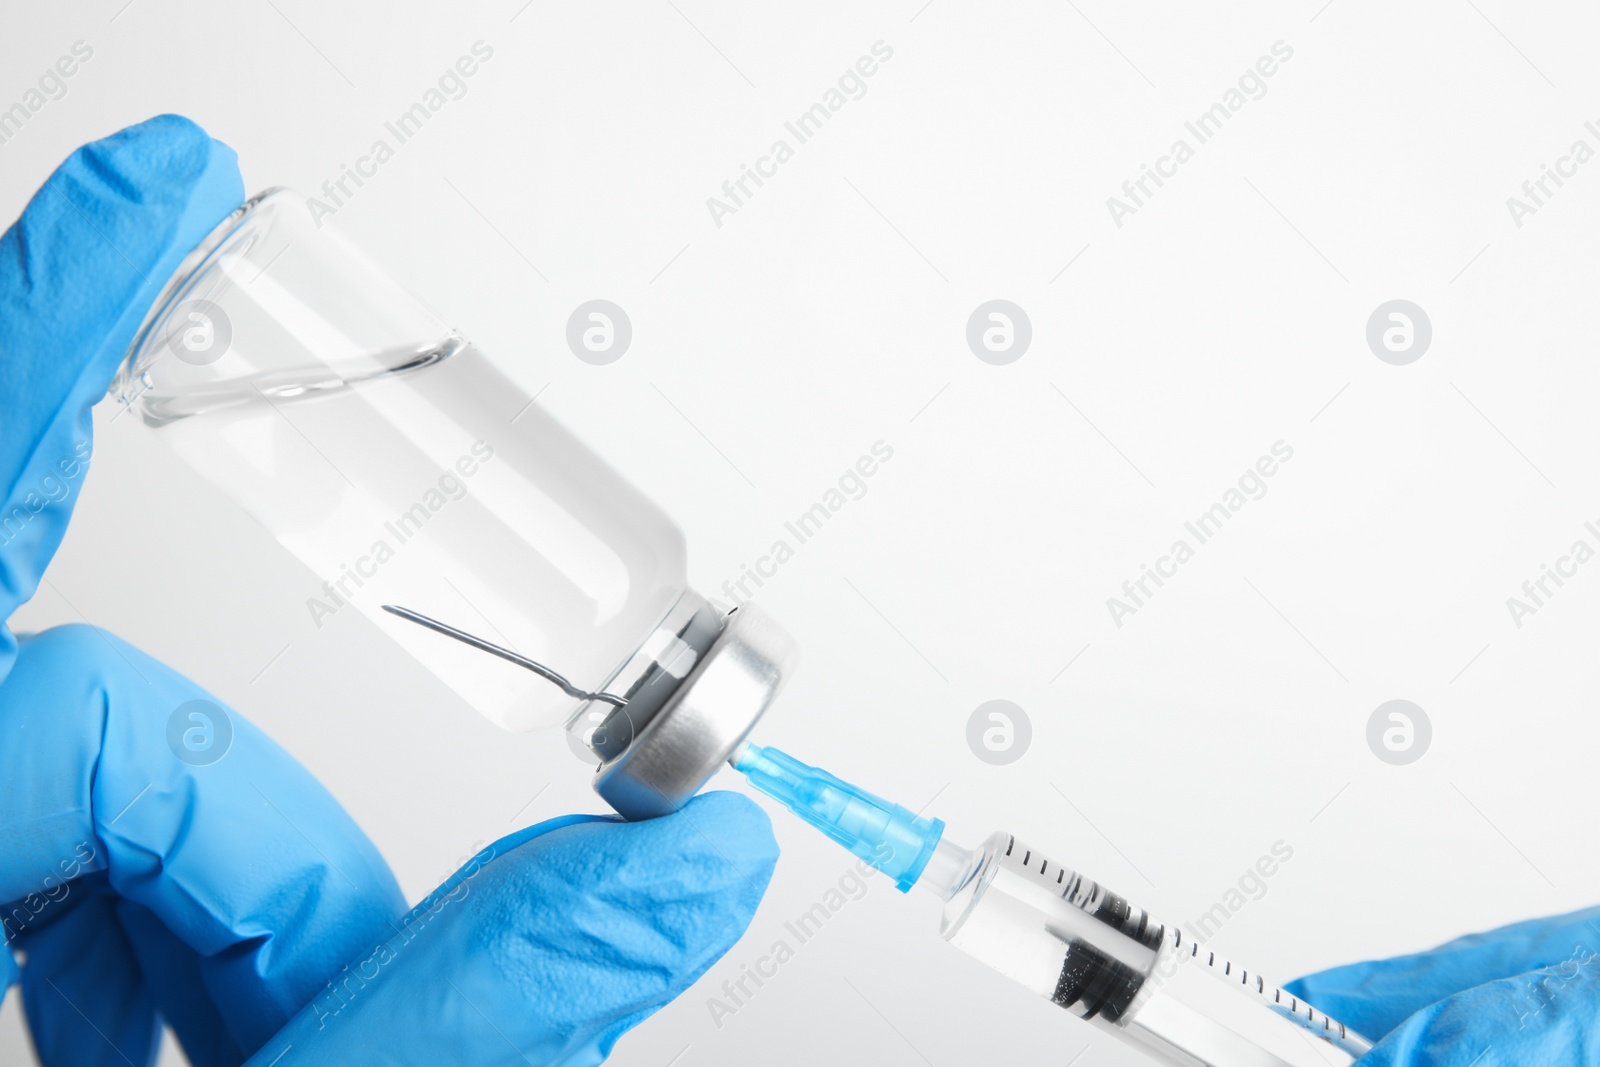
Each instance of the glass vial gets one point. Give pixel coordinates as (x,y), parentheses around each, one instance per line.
(392,458)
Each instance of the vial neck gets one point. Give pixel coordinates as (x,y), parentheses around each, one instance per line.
(650,677)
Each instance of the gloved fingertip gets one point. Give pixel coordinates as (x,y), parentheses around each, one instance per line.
(730,842)
(168,147)
(743,823)
(1304,988)
(1544,1017)
(168,165)
(1371,998)
(79,270)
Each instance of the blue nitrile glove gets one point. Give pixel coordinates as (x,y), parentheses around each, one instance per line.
(547,946)
(1524,994)
(235,899)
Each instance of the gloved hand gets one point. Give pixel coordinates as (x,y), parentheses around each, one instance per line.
(226,898)
(1523,994)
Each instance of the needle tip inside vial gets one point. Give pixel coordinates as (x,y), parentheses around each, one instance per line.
(506,654)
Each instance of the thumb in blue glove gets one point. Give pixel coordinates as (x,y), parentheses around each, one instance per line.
(548,945)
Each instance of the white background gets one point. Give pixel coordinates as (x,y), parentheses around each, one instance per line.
(830,312)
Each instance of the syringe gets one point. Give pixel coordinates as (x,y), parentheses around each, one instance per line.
(1065,937)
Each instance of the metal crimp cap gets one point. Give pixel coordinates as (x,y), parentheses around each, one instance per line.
(703,721)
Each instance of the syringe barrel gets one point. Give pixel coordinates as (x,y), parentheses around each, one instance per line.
(1093,953)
